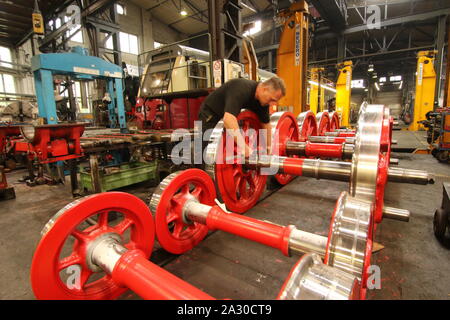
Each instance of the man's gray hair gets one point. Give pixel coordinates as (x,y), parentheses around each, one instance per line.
(276,84)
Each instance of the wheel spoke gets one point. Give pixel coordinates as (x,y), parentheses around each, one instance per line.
(243,188)
(171,217)
(177,230)
(197,191)
(84,277)
(103,219)
(69,261)
(251,183)
(79,235)
(123,225)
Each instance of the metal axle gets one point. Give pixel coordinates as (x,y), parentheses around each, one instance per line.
(131,268)
(332,170)
(321,150)
(287,239)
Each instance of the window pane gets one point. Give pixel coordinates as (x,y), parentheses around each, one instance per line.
(7,83)
(78,37)
(109,42)
(120,9)
(134,44)
(124,44)
(5,55)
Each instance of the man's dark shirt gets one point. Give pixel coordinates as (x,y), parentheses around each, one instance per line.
(233,96)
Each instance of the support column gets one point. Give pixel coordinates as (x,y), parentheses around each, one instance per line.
(45,96)
(440,41)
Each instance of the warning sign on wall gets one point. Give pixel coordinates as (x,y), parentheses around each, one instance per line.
(217,73)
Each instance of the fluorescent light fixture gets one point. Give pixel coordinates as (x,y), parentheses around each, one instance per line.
(382,79)
(313,83)
(370,68)
(358,84)
(377,86)
(401,85)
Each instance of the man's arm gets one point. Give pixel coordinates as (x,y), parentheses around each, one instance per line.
(268,131)
(230,122)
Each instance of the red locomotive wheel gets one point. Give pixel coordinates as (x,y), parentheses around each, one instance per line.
(284,129)
(307,125)
(174,232)
(136,231)
(335,122)
(240,188)
(323,123)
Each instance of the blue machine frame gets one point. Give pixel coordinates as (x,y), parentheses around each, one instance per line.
(77,64)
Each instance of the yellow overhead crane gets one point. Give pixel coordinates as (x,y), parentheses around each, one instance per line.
(343,92)
(292,57)
(425,88)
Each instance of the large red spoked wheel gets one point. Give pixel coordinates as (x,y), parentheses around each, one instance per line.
(284,129)
(175,232)
(61,267)
(240,188)
(323,123)
(307,125)
(335,122)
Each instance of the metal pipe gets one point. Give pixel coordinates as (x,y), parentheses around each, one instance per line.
(396,214)
(336,140)
(319,169)
(320,150)
(287,239)
(130,268)
(302,242)
(341,134)
(402,175)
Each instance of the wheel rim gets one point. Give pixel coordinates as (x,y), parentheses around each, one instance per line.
(307,125)
(284,129)
(349,244)
(335,121)
(238,188)
(323,123)
(174,232)
(47,264)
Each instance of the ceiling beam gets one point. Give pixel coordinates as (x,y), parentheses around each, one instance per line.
(8,5)
(157,5)
(193,7)
(15,17)
(401,20)
(189,16)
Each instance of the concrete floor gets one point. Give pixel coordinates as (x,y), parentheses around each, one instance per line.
(413,264)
